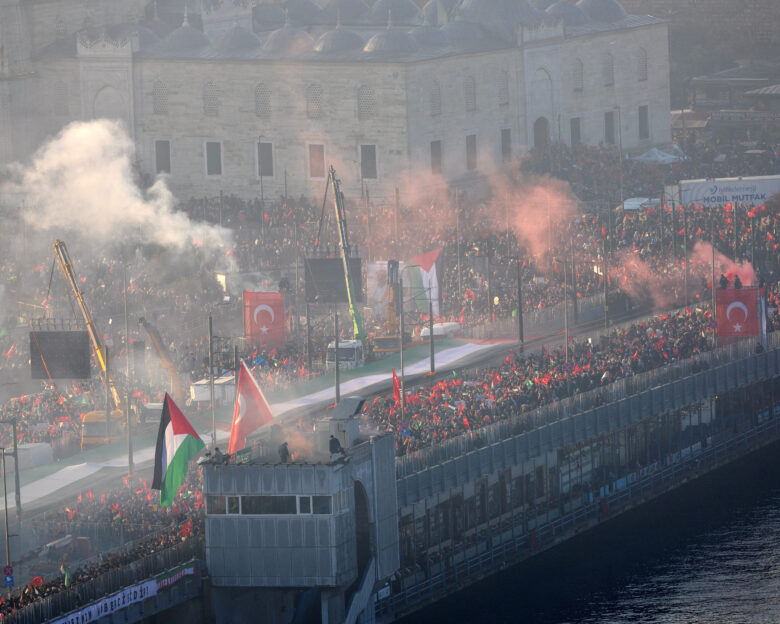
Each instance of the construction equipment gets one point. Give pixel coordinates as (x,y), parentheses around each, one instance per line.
(114,412)
(345,252)
(176,384)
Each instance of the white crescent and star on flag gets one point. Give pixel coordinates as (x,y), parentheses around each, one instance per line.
(263,308)
(740,306)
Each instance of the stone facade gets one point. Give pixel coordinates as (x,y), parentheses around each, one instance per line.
(464,106)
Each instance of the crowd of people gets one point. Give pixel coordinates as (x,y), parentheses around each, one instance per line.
(439,411)
(650,255)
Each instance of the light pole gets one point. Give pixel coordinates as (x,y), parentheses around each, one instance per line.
(7,540)
(260,171)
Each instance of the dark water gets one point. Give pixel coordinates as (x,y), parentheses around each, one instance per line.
(708,553)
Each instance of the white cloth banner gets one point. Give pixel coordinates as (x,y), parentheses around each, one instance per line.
(751,191)
(111,604)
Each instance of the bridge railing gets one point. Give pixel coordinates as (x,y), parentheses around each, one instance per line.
(110,581)
(555,411)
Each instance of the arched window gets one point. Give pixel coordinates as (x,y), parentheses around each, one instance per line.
(61,29)
(470,94)
(160,98)
(641,65)
(60,98)
(262,101)
(502,88)
(210,100)
(366,102)
(314,101)
(577,80)
(608,70)
(435,98)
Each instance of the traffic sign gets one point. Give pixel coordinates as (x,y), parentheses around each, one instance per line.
(9,580)
(8,570)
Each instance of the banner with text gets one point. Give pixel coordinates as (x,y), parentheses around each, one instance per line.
(111,604)
(720,191)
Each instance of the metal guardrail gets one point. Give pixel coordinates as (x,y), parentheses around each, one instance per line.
(557,410)
(513,550)
(82,593)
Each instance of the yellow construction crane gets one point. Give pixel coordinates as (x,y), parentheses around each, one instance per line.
(97,426)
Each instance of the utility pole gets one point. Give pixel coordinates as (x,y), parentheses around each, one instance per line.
(128,423)
(430,327)
(336,349)
(520,336)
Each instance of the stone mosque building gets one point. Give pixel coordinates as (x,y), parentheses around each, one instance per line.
(238,96)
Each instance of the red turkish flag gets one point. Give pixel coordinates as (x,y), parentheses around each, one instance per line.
(737,314)
(264,319)
(396,389)
(251,410)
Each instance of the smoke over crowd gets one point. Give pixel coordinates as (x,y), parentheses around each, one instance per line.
(83,182)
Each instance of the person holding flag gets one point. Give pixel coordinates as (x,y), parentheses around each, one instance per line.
(177,444)
(251,410)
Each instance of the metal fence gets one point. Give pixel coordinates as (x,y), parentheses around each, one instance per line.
(497,553)
(564,408)
(82,593)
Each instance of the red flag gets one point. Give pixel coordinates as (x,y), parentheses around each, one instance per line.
(186,528)
(250,412)
(90,496)
(36,581)
(396,389)
(264,318)
(737,314)
(102,498)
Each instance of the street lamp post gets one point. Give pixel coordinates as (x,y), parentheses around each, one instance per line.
(7,540)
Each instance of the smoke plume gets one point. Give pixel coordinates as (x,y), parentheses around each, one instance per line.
(82,181)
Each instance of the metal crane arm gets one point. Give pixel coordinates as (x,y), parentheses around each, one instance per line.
(61,252)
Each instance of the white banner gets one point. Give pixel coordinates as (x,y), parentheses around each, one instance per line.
(111,604)
(752,191)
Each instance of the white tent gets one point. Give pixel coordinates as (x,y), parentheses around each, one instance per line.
(654,156)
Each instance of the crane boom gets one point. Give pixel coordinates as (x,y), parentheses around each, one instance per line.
(61,252)
(177,386)
(341,218)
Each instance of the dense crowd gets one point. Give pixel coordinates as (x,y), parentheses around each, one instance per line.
(648,254)
(129,514)
(437,412)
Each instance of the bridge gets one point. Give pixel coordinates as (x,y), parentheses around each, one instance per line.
(168,580)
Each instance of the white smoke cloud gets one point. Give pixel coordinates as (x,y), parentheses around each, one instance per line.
(82,181)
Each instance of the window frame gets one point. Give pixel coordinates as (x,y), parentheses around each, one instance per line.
(157,169)
(206,159)
(309,161)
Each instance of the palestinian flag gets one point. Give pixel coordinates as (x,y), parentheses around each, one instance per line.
(424,283)
(177,443)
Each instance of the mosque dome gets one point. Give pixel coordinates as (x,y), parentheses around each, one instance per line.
(602,10)
(305,13)
(288,41)
(185,39)
(501,16)
(338,40)
(461,32)
(238,39)
(391,41)
(429,36)
(571,14)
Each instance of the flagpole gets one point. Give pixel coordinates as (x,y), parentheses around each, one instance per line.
(211,384)
(401,345)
